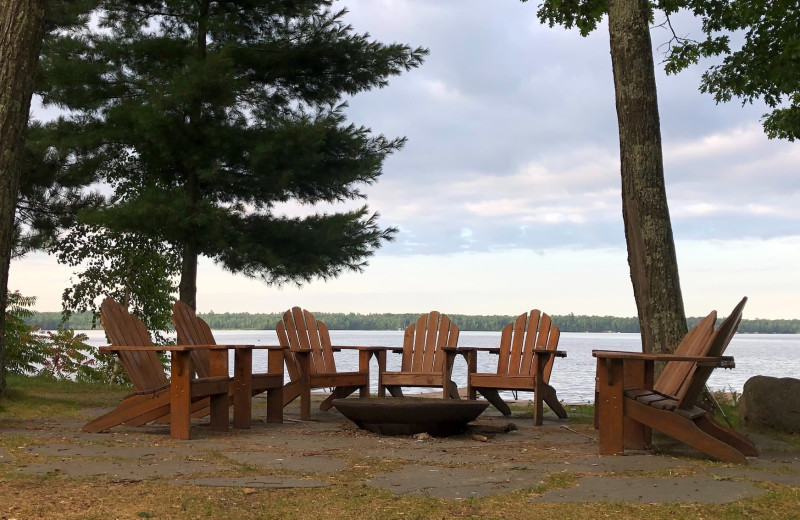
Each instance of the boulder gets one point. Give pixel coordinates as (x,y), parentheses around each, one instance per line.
(771,402)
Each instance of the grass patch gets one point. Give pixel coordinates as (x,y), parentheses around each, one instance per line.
(40,396)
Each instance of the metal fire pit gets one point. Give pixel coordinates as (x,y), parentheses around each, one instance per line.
(410,415)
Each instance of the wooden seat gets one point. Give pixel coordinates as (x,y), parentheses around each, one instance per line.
(429,348)
(630,405)
(157,397)
(193,330)
(525,360)
(310,362)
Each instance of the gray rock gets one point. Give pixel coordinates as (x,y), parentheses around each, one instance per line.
(771,402)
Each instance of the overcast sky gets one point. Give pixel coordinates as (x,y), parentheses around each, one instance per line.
(507,193)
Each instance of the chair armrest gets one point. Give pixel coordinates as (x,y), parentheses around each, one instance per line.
(496,350)
(152,348)
(452,351)
(492,350)
(368,348)
(256,347)
(716,361)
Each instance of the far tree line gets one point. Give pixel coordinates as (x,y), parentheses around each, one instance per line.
(388,321)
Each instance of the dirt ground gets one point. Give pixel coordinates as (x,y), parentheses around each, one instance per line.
(481,462)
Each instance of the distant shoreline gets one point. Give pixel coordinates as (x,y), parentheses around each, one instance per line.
(395,321)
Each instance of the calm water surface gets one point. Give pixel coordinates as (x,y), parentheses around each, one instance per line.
(776,355)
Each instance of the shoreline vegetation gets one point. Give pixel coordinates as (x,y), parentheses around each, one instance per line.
(391,321)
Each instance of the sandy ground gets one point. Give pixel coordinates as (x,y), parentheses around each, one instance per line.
(480,462)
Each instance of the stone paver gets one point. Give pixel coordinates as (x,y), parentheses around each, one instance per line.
(700,490)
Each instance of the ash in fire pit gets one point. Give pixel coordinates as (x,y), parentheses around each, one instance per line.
(410,415)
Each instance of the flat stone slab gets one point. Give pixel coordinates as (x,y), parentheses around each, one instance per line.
(125,470)
(291,462)
(438,482)
(5,456)
(267,482)
(698,490)
(110,452)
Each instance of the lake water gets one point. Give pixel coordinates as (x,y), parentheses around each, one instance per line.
(776,355)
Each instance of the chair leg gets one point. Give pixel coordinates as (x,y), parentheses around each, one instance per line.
(291,391)
(396,391)
(452,390)
(684,430)
(552,401)
(493,396)
(339,392)
(728,436)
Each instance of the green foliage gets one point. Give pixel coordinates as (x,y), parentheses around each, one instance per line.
(66,355)
(24,348)
(583,14)
(129,267)
(766,66)
(60,353)
(220,111)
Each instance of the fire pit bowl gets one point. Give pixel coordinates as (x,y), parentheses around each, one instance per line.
(410,415)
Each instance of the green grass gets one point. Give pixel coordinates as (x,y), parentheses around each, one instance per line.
(40,396)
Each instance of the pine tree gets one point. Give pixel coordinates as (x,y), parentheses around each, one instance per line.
(220,112)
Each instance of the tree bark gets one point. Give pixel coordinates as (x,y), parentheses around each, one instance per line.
(21,30)
(648,231)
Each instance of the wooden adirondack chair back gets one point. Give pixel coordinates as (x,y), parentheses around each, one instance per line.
(300,331)
(193,330)
(677,374)
(123,329)
(518,341)
(423,341)
(719,342)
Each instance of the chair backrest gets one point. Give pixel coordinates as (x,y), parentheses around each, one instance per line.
(677,374)
(423,341)
(298,330)
(534,330)
(123,329)
(719,342)
(193,330)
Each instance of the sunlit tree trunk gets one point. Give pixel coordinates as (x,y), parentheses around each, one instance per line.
(21,26)
(648,231)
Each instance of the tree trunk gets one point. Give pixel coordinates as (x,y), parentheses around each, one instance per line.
(21,26)
(187,287)
(648,231)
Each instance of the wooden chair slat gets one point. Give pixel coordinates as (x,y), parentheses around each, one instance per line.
(696,343)
(429,346)
(326,354)
(446,336)
(408,347)
(690,393)
(526,364)
(505,349)
(517,342)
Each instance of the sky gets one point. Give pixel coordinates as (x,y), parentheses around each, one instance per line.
(507,193)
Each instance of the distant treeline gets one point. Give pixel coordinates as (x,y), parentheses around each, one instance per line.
(352,321)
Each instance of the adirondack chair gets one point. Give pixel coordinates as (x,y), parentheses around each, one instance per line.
(310,362)
(630,405)
(155,396)
(429,348)
(193,330)
(526,357)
